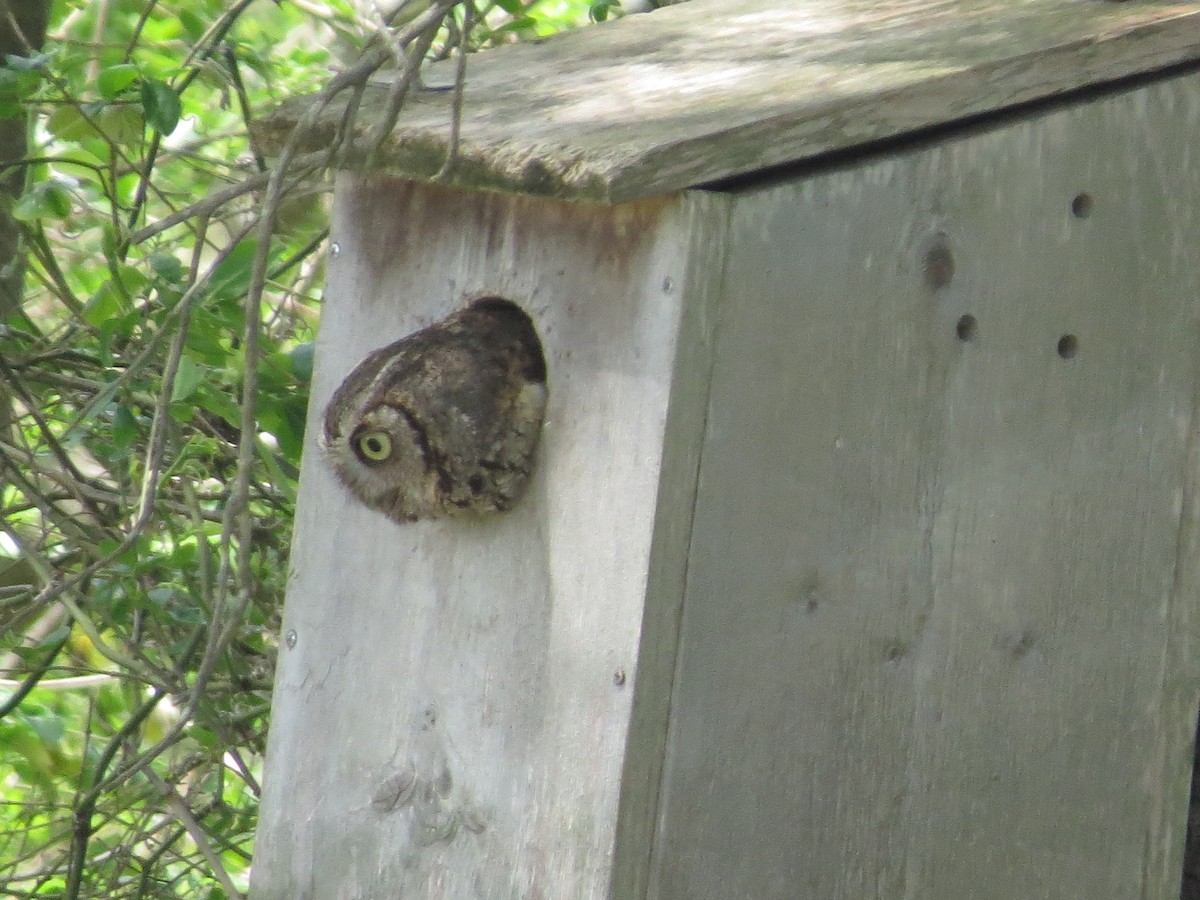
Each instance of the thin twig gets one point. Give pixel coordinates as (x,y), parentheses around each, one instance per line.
(35,675)
(31,408)
(180,810)
(239,90)
(420,34)
(460,83)
(60,587)
(213,202)
(85,806)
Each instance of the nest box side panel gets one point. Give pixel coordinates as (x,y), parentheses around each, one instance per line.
(939,635)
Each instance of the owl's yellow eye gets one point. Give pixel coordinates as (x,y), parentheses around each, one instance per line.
(375,445)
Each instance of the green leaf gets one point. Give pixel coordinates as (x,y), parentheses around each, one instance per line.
(121,123)
(512,7)
(166,267)
(518,24)
(47,200)
(183,412)
(161,595)
(231,278)
(17,85)
(220,403)
(266,455)
(125,427)
(58,200)
(105,304)
(114,329)
(162,105)
(49,640)
(285,420)
(110,242)
(115,79)
(130,279)
(96,124)
(302,361)
(67,123)
(34,63)
(49,728)
(188,378)
(186,615)
(192,24)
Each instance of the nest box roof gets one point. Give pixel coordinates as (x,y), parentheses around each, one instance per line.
(713,89)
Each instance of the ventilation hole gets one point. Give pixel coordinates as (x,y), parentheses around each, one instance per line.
(939,266)
(966,327)
(1068,346)
(1081,206)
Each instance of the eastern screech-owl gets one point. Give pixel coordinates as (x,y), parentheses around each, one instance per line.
(445,421)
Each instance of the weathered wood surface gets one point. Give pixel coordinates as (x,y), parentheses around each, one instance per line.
(939,637)
(454,699)
(709,89)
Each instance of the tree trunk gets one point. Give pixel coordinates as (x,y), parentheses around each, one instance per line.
(22,32)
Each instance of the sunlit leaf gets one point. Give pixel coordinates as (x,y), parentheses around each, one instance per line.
(107,303)
(188,378)
(49,728)
(192,24)
(45,200)
(120,123)
(70,123)
(115,79)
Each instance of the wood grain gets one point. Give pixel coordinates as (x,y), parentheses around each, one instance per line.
(938,639)
(710,89)
(454,703)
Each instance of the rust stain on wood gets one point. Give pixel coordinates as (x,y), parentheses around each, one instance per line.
(401,219)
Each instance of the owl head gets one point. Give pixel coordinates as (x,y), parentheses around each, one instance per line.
(376,451)
(443,422)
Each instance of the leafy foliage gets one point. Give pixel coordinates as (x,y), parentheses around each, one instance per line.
(152,405)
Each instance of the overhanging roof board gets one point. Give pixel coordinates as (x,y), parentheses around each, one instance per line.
(712,89)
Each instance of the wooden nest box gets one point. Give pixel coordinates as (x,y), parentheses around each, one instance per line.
(860,555)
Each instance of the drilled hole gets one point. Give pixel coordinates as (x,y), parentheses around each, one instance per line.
(1081,206)
(966,327)
(939,266)
(1068,346)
